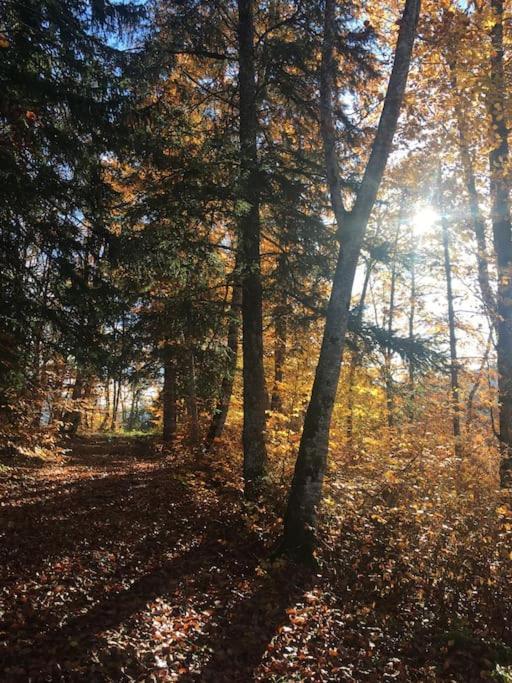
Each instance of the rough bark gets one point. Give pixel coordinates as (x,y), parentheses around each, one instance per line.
(191,398)
(500,215)
(280,332)
(226,390)
(306,490)
(254,392)
(169,400)
(71,419)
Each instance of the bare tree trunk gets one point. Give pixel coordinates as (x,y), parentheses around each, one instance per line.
(500,214)
(104,422)
(477,219)
(474,389)
(412,314)
(122,399)
(306,490)
(169,399)
(226,390)
(191,399)
(355,361)
(388,356)
(72,417)
(116,391)
(86,397)
(39,365)
(55,400)
(454,366)
(280,331)
(131,415)
(254,393)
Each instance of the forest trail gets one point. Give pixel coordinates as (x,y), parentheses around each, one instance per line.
(125,563)
(121,564)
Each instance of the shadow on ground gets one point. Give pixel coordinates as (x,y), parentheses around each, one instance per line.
(121,564)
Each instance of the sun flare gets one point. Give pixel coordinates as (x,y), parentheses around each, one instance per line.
(424,219)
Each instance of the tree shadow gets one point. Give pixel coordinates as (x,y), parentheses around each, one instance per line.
(87,513)
(86,632)
(245,632)
(179,541)
(104,451)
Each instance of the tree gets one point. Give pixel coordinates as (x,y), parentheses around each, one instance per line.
(306,490)
(454,368)
(502,232)
(220,413)
(61,115)
(255,394)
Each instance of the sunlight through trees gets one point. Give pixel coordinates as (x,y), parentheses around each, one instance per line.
(256,256)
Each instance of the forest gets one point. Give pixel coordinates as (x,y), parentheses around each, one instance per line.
(255,340)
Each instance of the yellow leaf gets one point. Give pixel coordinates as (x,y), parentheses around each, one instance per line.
(390,477)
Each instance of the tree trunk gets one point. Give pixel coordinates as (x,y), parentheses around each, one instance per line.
(226,390)
(191,398)
(86,411)
(412,314)
(477,220)
(454,366)
(169,400)
(116,391)
(133,405)
(104,422)
(306,490)
(123,409)
(355,361)
(131,414)
(254,392)
(388,356)
(476,385)
(500,214)
(72,417)
(39,365)
(280,331)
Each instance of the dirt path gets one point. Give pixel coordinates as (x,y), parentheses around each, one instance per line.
(123,565)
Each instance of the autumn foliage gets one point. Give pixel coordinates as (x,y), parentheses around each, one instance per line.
(255,341)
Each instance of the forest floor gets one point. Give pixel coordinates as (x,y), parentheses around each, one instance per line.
(122,563)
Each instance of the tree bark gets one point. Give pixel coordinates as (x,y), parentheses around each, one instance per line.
(500,214)
(477,219)
(104,422)
(355,361)
(306,490)
(476,385)
(116,392)
(191,398)
(280,331)
(131,414)
(72,417)
(226,390)
(412,314)
(454,366)
(169,399)
(388,356)
(254,392)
